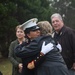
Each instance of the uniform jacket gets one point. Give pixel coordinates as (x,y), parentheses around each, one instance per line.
(52,59)
(13,58)
(66,38)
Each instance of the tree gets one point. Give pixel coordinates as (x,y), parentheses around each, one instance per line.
(67,9)
(14,12)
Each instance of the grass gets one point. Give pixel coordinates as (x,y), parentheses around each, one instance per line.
(5,66)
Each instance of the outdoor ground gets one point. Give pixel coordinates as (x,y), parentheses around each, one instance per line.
(5,66)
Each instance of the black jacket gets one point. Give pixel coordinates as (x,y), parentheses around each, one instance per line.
(66,38)
(53,60)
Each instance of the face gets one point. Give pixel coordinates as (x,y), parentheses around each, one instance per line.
(34,34)
(57,23)
(20,33)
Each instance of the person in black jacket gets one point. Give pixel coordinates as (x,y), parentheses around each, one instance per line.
(53,63)
(66,37)
(31,31)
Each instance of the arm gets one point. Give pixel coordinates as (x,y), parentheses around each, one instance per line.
(72,44)
(11,55)
(41,57)
(27,51)
(59,47)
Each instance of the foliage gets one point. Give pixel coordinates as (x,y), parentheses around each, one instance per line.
(5,66)
(67,9)
(14,12)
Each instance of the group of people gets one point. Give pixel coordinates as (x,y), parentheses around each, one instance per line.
(39,50)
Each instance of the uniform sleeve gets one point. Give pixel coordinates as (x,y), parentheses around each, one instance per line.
(27,51)
(11,55)
(39,60)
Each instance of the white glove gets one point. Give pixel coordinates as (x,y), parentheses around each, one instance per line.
(59,47)
(46,48)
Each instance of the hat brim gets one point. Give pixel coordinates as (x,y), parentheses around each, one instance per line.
(34,28)
(29,23)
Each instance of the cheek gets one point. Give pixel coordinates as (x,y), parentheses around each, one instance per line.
(56,28)
(34,35)
(20,35)
(17,34)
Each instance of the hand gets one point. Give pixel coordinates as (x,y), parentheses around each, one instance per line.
(59,47)
(20,67)
(31,65)
(73,67)
(20,70)
(46,48)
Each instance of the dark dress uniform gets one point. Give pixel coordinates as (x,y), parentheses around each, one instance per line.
(13,58)
(1,73)
(53,63)
(25,61)
(66,37)
(25,70)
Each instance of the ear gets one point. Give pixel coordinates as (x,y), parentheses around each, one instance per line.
(28,35)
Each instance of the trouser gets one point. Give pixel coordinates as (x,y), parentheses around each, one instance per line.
(1,73)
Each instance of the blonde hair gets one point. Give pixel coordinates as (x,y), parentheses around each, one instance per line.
(45,27)
(18,27)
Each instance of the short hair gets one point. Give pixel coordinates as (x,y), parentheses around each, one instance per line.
(45,27)
(56,15)
(19,27)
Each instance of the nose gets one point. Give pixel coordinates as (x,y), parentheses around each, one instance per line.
(55,22)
